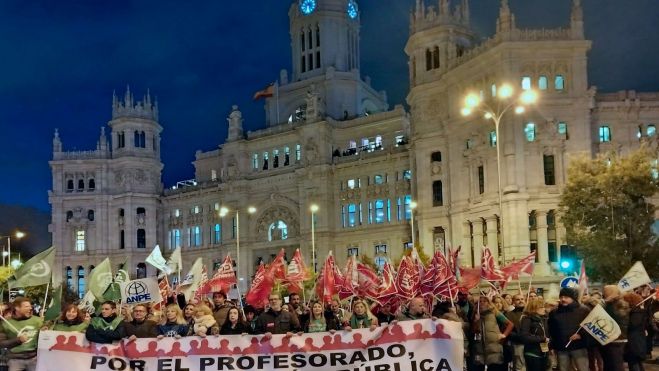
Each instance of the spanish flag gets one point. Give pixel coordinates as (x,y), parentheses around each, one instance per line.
(268,92)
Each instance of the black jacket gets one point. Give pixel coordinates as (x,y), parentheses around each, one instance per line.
(241,328)
(515,316)
(531,333)
(100,336)
(275,322)
(564,322)
(636,341)
(144,329)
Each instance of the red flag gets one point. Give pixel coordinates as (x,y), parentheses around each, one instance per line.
(438,279)
(408,279)
(269,91)
(277,269)
(350,279)
(326,282)
(203,284)
(583,279)
(224,278)
(368,282)
(297,273)
(165,292)
(258,293)
(489,269)
(469,278)
(524,265)
(387,292)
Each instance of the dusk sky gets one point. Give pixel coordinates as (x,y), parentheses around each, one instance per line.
(60,62)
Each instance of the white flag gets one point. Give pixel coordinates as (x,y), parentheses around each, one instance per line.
(601,326)
(190,283)
(87,303)
(158,261)
(637,276)
(145,290)
(174,261)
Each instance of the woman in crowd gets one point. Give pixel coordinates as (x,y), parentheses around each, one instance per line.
(635,349)
(360,317)
(173,324)
(188,314)
(72,319)
(318,322)
(487,344)
(234,324)
(532,334)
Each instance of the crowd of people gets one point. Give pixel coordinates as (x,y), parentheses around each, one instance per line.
(502,332)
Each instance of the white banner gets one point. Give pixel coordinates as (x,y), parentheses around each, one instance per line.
(637,276)
(414,345)
(145,290)
(158,261)
(601,326)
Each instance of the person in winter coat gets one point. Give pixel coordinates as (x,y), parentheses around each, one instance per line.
(140,327)
(416,309)
(275,320)
(173,324)
(564,326)
(204,322)
(635,349)
(618,309)
(234,324)
(488,339)
(361,318)
(107,327)
(533,335)
(318,321)
(72,319)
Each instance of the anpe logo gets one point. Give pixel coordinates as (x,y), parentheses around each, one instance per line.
(137,292)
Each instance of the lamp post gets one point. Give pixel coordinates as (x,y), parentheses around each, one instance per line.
(314,209)
(494,110)
(18,236)
(223,212)
(413,206)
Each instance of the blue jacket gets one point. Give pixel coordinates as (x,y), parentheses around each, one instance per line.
(171,329)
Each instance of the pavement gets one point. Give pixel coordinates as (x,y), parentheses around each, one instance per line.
(653,365)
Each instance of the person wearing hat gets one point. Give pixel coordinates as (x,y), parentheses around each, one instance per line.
(565,328)
(618,309)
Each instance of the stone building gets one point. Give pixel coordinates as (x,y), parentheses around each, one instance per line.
(331,140)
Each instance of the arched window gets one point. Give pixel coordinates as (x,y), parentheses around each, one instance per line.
(651,130)
(92,184)
(141,238)
(69,278)
(69,185)
(90,215)
(81,282)
(141,270)
(559,83)
(278,231)
(81,185)
(542,83)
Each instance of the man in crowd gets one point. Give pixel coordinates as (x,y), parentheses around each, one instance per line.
(274,320)
(338,312)
(565,328)
(20,335)
(222,306)
(415,310)
(515,316)
(385,315)
(618,309)
(297,308)
(139,326)
(107,327)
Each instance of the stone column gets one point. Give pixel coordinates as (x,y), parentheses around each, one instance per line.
(492,236)
(542,267)
(466,245)
(478,240)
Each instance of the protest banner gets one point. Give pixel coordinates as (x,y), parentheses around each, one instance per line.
(145,290)
(413,345)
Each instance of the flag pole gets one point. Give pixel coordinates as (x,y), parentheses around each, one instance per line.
(240,301)
(528,293)
(45,300)
(9,323)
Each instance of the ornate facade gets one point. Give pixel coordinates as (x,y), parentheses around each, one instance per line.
(331,140)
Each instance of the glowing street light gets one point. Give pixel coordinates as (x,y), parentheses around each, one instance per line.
(18,235)
(314,209)
(223,212)
(494,109)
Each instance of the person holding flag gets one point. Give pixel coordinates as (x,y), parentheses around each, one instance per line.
(565,331)
(20,335)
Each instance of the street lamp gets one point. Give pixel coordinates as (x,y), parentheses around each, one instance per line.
(7,253)
(223,212)
(494,109)
(413,206)
(314,209)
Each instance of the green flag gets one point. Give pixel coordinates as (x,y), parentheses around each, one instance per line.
(36,271)
(113,292)
(55,307)
(100,278)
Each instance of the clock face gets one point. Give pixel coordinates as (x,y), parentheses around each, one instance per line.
(307,6)
(352,9)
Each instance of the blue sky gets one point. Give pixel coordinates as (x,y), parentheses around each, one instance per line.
(61,60)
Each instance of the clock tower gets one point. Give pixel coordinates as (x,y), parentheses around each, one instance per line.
(325,66)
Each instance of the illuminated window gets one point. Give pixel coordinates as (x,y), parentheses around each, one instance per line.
(278,231)
(559,82)
(526,83)
(380,261)
(651,130)
(196,236)
(176,238)
(529,131)
(298,152)
(493,138)
(378,179)
(217,234)
(604,134)
(562,128)
(407,174)
(379,211)
(80,240)
(255,161)
(494,90)
(542,83)
(350,218)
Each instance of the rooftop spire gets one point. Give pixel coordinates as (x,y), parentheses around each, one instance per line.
(506,21)
(576,20)
(130,108)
